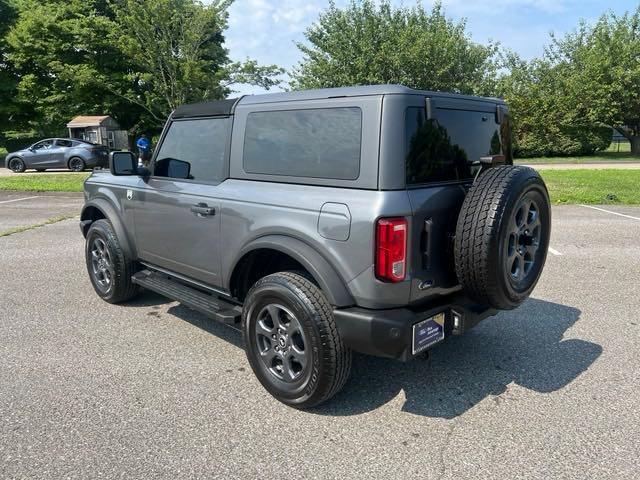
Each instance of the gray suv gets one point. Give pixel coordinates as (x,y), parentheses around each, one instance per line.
(375,219)
(76,155)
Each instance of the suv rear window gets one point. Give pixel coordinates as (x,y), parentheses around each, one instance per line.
(318,143)
(448,147)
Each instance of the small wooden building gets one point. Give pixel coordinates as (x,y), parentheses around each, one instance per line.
(102,130)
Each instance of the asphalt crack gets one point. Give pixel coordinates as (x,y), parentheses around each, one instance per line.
(26,228)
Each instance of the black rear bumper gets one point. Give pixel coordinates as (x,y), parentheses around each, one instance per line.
(389,333)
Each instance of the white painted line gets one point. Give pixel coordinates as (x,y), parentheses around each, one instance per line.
(555,252)
(609,211)
(18,199)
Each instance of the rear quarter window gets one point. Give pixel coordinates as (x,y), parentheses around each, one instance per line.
(315,143)
(449,146)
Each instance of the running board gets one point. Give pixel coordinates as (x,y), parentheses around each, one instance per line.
(209,305)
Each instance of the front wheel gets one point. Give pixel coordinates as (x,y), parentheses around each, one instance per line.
(109,268)
(16,165)
(292,342)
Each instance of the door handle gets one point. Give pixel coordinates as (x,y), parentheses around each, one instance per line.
(203,210)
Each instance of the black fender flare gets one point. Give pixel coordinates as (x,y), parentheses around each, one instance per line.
(320,269)
(112,214)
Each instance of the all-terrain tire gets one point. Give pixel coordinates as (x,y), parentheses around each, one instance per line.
(502,236)
(329,360)
(119,267)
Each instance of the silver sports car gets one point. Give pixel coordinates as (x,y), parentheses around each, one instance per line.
(76,155)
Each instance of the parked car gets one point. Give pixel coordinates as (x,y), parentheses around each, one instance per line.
(374,219)
(76,155)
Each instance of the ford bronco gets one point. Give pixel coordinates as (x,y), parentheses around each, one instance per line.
(375,219)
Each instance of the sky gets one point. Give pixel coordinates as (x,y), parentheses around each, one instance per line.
(267,30)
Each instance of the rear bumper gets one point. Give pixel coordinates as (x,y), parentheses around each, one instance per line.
(389,333)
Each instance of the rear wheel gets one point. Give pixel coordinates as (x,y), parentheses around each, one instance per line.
(292,342)
(502,236)
(76,164)
(16,165)
(109,268)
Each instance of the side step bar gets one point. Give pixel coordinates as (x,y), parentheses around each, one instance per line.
(209,305)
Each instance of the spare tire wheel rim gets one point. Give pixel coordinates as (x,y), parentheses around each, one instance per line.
(281,342)
(523,243)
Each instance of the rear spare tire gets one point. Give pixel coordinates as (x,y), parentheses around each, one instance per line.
(502,236)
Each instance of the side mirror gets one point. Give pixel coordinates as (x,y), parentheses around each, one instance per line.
(173,168)
(123,163)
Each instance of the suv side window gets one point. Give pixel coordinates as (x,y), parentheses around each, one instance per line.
(63,143)
(316,143)
(194,150)
(448,147)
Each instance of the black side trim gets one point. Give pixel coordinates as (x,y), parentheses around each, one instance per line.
(212,306)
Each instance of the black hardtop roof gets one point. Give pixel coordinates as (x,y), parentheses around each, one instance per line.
(227,107)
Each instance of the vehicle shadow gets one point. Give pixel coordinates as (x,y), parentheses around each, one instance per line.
(524,346)
(147,298)
(223,332)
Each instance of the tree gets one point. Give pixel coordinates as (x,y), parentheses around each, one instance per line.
(177,54)
(544,122)
(600,65)
(134,60)
(369,44)
(60,49)
(8,82)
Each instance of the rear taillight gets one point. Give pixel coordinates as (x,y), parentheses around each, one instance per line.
(391,249)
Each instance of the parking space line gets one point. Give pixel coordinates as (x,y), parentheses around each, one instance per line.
(609,211)
(18,199)
(555,252)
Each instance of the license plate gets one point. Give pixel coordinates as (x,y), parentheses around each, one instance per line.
(428,332)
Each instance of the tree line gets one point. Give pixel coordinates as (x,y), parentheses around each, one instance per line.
(137,60)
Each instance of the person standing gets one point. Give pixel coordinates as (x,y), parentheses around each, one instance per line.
(144,150)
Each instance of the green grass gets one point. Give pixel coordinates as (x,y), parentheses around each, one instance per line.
(46,182)
(602,187)
(26,228)
(606,186)
(599,157)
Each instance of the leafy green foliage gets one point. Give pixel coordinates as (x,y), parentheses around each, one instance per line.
(61,51)
(8,81)
(177,54)
(133,60)
(544,125)
(370,44)
(587,81)
(602,73)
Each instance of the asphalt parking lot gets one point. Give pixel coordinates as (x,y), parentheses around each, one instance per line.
(154,390)
(24,209)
